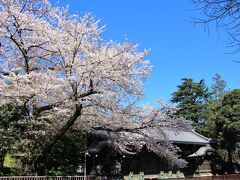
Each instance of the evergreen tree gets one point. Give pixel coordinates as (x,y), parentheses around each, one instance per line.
(63,159)
(65,156)
(228,122)
(191,98)
(218,88)
(10,132)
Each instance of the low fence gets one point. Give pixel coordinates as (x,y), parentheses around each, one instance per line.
(47,178)
(214,177)
(219,177)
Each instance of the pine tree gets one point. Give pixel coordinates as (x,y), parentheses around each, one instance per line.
(191,98)
(218,88)
(228,122)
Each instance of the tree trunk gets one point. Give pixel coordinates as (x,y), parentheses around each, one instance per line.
(229,155)
(1,164)
(231,169)
(39,166)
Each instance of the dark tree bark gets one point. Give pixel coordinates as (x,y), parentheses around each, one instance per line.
(48,146)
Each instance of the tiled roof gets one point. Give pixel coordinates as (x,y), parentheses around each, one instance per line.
(202,151)
(177,136)
(188,137)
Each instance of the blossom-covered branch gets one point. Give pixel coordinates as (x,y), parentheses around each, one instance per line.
(65,75)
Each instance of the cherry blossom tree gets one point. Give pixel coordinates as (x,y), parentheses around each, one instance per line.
(58,68)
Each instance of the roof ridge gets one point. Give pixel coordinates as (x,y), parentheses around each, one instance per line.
(200,135)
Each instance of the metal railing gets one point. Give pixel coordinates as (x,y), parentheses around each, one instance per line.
(47,178)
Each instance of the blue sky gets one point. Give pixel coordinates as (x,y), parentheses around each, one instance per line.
(178,48)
